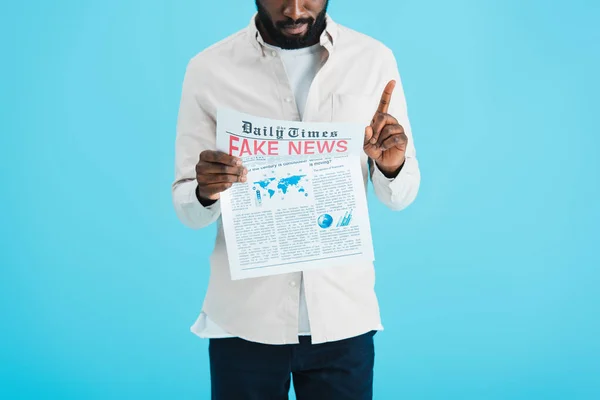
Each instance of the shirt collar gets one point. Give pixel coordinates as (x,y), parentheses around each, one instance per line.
(327,40)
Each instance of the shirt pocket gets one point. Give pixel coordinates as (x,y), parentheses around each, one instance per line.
(354,108)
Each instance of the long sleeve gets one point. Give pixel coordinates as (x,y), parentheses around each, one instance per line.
(400,192)
(195,133)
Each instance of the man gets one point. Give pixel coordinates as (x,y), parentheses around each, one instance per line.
(291,63)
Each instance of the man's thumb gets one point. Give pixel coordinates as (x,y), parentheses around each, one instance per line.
(368,134)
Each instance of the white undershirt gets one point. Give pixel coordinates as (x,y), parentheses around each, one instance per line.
(301,66)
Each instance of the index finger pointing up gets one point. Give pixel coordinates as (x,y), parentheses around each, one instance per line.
(386,97)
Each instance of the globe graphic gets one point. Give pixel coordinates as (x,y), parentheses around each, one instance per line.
(325,221)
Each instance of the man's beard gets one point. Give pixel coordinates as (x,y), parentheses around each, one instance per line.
(315,28)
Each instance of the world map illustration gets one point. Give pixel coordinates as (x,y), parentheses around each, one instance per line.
(284,186)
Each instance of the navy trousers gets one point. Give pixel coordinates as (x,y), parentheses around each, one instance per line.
(342,370)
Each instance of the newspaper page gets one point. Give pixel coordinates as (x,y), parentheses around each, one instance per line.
(303,205)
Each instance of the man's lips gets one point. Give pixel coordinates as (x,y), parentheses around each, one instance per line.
(295,30)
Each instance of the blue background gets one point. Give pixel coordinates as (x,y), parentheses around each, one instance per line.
(489,283)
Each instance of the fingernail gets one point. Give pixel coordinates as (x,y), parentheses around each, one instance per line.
(373,141)
(238,162)
(243,179)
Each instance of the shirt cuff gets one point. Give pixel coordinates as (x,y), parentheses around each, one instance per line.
(394,184)
(190,210)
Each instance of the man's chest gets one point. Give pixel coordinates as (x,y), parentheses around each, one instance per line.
(339,92)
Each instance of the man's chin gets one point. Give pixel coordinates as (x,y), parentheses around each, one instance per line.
(295,38)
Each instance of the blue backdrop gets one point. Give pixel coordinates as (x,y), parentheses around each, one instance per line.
(489,283)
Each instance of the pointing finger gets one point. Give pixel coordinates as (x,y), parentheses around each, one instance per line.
(386,97)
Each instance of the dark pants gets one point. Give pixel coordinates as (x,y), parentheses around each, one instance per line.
(342,370)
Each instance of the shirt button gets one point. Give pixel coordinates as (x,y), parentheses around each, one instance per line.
(274,53)
(288,100)
(293,284)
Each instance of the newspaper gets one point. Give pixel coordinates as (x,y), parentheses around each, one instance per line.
(303,205)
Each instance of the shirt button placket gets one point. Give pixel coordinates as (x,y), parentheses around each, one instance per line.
(290,110)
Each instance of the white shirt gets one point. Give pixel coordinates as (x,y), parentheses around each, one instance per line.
(242,73)
(301,66)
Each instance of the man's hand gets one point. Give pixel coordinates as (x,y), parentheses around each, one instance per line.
(216,172)
(385,140)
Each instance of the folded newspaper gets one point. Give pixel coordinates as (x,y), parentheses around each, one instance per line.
(303,205)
